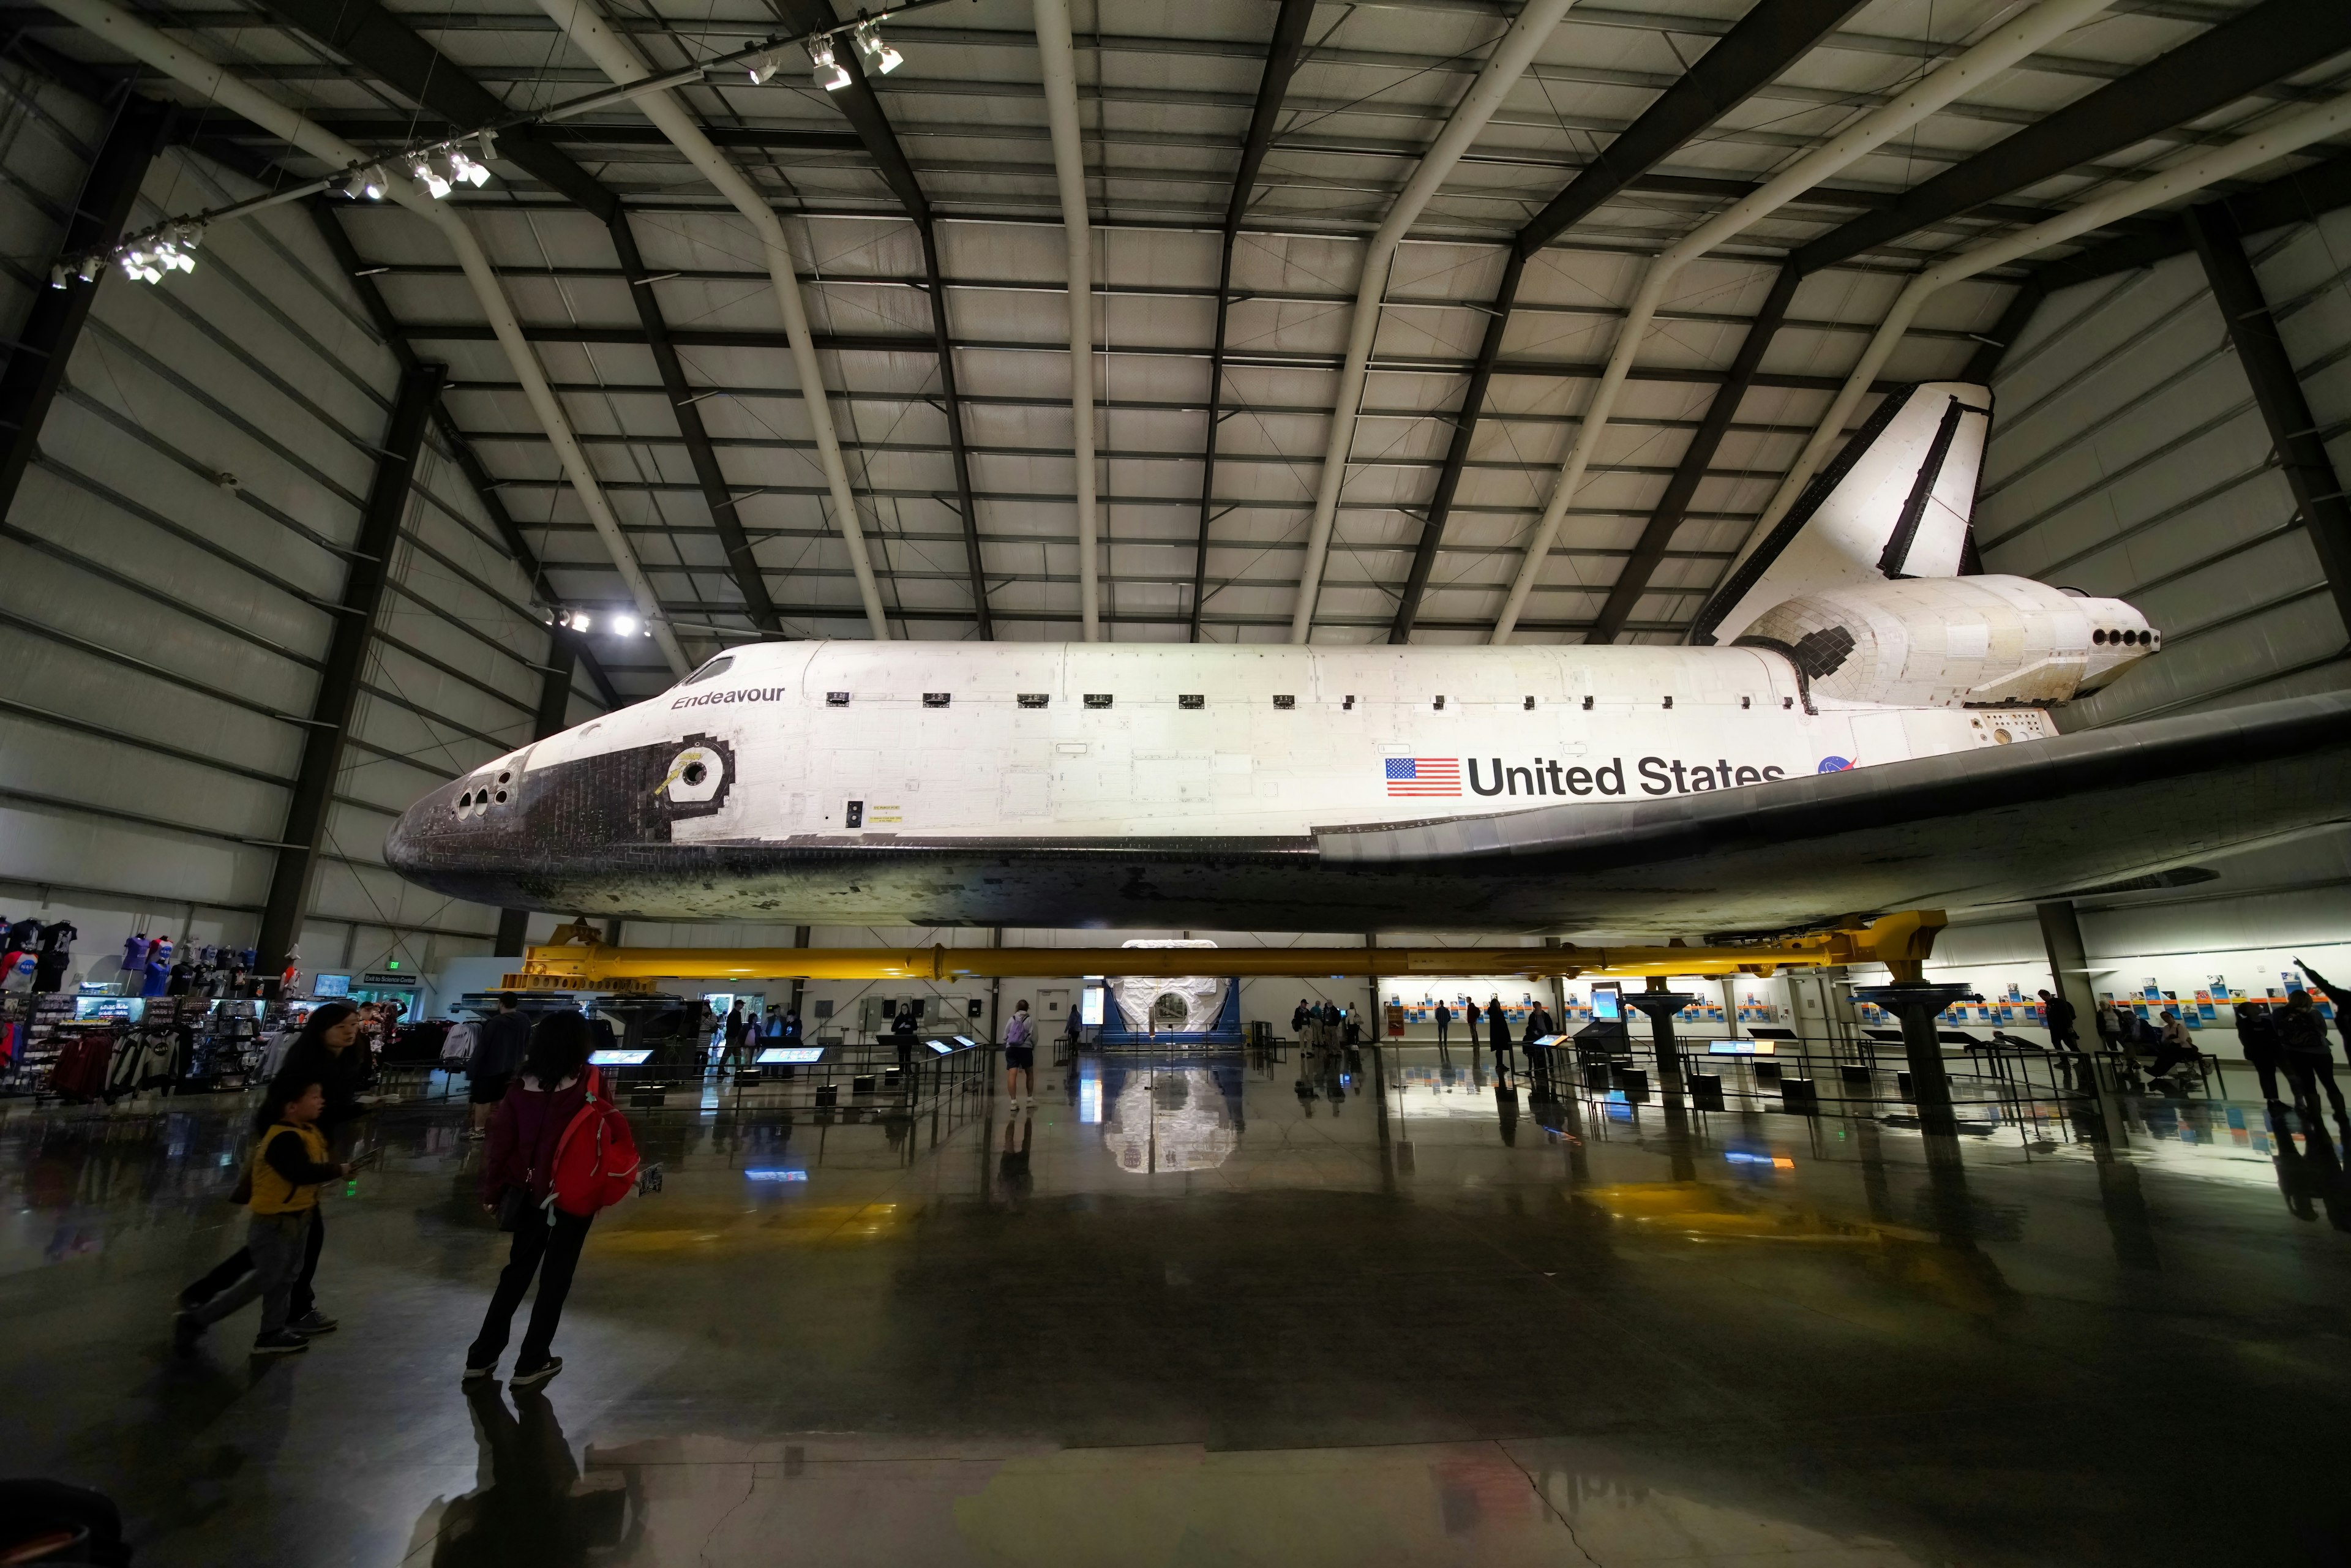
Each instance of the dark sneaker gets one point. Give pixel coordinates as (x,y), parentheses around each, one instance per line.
(477,1374)
(313,1322)
(283,1342)
(536,1376)
(186,1329)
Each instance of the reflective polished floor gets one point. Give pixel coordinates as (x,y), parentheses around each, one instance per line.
(1209,1311)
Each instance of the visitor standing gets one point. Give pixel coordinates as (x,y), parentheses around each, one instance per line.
(550,1090)
(498,1047)
(1498,1029)
(1443,1022)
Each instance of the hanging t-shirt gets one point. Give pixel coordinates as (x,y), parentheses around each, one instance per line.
(245,960)
(58,939)
(159,979)
(22,935)
(161,948)
(134,953)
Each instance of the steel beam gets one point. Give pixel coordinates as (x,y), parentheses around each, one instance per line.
(469,462)
(741,565)
(2301,196)
(331,709)
(1984,363)
(1657,534)
(386,46)
(2253,332)
(1283,53)
(36,360)
(861,107)
(1457,451)
(1765,42)
(2247,52)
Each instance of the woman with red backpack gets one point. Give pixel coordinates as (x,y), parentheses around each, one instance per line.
(557,1152)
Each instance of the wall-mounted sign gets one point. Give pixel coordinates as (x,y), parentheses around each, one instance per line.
(380,979)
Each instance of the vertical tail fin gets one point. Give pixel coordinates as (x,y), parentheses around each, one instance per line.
(1894,503)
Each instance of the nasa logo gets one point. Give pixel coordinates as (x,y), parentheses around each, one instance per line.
(1832,765)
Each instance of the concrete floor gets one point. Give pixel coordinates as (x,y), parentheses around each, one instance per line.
(1195,1316)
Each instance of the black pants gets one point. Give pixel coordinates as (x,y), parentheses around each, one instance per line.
(1442,1025)
(551,1252)
(2307,1074)
(2166,1058)
(239,1263)
(2265,1066)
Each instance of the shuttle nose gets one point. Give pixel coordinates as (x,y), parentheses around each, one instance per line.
(466,838)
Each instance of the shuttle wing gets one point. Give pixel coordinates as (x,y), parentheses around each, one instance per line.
(1994,825)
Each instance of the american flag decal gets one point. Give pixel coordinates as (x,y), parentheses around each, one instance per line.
(1424,776)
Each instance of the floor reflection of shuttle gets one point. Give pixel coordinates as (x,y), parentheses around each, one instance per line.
(1857,727)
(1172,1118)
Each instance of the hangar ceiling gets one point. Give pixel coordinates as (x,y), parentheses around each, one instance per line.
(1629,128)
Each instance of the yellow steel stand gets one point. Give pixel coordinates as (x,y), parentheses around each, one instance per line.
(1901,942)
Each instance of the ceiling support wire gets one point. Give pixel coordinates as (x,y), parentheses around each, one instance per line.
(1059,56)
(207,77)
(2005,46)
(1510,57)
(2281,137)
(618,59)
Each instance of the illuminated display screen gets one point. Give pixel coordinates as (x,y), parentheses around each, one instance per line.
(620,1058)
(1739,1048)
(942,1047)
(778,1055)
(760,1173)
(1090,1011)
(1607,1006)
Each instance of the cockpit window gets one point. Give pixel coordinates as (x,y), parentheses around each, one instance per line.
(717,666)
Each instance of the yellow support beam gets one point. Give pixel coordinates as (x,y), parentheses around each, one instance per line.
(1900,941)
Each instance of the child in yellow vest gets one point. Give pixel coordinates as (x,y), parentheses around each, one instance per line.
(289,1163)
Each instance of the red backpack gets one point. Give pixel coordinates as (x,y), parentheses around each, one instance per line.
(596,1158)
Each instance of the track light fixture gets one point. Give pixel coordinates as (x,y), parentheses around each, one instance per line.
(879,55)
(582,621)
(764,66)
(145,258)
(830,74)
(624,625)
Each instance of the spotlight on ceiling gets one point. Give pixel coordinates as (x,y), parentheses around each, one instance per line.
(624,625)
(430,178)
(581,622)
(877,51)
(764,66)
(830,74)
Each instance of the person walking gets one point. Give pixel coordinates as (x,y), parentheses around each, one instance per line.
(498,1046)
(1021,1055)
(732,1056)
(1301,1018)
(2309,1063)
(289,1165)
(1497,1028)
(2065,1037)
(517,1185)
(322,1053)
(1443,1022)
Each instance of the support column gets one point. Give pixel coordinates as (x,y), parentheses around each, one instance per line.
(36,364)
(347,650)
(2069,975)
(554,714)
(1919,1007)
(1661,1005)
(2253,333)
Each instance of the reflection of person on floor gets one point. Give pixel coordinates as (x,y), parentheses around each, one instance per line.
(2310,1176)
(533,1510)
(1012,1167)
